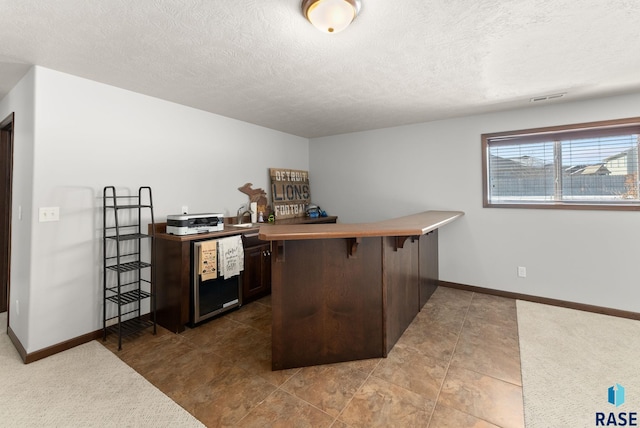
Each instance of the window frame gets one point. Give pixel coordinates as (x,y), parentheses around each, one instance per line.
(582,130)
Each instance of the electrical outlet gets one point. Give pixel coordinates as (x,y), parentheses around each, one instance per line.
(522,271)
(17,307)
(49,214)
(185,209)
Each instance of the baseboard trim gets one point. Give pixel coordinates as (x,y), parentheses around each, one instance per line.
(72,343)
(54,349)
(544,300)
(16,343)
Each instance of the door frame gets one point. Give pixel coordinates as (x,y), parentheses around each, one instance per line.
(6,192)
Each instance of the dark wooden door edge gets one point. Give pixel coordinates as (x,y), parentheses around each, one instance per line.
(7,126)
(544,300)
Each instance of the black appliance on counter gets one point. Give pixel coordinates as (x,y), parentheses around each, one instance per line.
(214,296)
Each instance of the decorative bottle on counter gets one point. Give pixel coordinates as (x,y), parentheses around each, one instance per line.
(254,211)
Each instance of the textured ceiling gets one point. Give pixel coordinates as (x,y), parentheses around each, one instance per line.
(400,62)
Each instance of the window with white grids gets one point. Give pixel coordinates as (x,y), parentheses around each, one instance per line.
(585,166)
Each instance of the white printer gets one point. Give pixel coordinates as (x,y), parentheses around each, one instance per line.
(190,224)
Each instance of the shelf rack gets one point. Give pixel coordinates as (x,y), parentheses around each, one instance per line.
(127,278)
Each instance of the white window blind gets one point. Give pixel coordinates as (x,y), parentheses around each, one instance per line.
(591,166)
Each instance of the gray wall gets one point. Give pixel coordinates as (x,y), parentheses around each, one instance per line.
(581,256)
(71,133)
(73,137)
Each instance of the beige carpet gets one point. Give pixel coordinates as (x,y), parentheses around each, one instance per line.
(570,359)
(86,386)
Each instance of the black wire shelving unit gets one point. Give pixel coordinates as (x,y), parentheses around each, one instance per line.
(127,278)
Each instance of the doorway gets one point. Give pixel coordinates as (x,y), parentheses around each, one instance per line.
(6,178)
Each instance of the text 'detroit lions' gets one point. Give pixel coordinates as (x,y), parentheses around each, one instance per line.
(290,192)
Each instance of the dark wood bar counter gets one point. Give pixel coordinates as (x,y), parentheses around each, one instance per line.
(173,268)
(344,292)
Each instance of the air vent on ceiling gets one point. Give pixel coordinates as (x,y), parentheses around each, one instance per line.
(547,97)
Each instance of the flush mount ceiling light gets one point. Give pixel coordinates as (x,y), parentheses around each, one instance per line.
(330,16)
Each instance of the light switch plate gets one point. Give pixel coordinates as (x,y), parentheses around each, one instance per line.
(522,271)
(49,214)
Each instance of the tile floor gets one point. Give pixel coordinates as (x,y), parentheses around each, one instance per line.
(457,365)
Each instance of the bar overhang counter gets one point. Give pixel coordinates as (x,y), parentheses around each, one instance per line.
(343,292)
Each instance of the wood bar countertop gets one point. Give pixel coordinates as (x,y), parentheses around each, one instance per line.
(343,292)
(411,225)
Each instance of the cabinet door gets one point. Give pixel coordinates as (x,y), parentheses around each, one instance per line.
(266,270)
(256,278)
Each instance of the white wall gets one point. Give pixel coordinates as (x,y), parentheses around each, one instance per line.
(90,135)
(581,256)
(74,136)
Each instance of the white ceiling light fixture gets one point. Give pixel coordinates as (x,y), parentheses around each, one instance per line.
(330,16)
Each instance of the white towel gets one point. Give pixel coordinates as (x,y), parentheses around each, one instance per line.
(231,256)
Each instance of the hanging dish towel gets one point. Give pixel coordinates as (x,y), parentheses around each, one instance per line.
(231,254)
(208,263)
